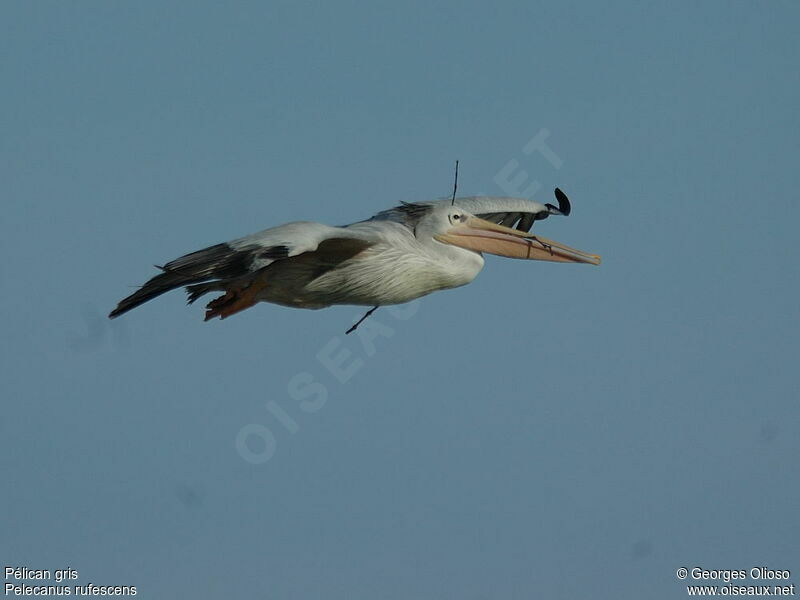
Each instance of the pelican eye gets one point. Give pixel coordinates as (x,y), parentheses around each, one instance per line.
(456,217)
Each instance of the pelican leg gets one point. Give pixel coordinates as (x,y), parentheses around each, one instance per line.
(361,320)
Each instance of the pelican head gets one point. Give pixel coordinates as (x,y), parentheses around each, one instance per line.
(455,226)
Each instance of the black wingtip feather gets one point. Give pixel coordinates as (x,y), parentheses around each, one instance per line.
(215,262)
(563,202)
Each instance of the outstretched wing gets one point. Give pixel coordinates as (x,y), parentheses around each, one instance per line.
(513,212)
(231,260)
(519,213)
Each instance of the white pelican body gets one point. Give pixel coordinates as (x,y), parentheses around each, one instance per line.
(397,256)
(393,267)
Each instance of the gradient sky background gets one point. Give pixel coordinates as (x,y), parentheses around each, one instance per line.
(548,431)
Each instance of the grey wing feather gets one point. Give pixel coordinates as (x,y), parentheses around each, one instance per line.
(512,212)
(408,213)
(220,261)
(230,260)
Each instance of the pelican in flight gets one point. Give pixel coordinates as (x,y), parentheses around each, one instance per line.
(396,256)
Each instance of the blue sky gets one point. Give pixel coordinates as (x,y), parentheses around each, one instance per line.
(548,431)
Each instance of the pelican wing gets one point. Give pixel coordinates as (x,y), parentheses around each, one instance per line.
(519,213)
(265,247)
(407,214)
(233,260)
